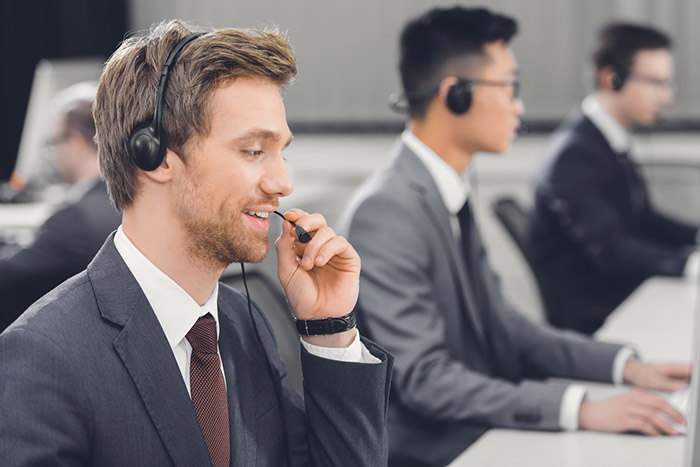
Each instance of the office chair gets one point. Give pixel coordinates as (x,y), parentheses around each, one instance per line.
(270,298)
(515,220)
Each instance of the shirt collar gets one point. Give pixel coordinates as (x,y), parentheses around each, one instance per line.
(617,137)
(175,309)
(454,189)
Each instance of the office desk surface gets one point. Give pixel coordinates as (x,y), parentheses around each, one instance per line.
(657,320)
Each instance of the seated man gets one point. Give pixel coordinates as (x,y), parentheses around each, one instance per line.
(465,359)
(594,234)
(144,359)
(69,239)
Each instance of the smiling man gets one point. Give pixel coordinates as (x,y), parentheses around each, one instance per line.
(465,359)
(144,358)
(595,234)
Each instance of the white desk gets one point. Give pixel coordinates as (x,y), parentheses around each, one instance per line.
(658,321)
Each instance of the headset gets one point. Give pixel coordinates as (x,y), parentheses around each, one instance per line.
(148,142)
(617,79)
(458,100)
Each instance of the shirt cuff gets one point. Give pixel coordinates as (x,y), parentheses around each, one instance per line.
(355,352)
(692,265)
(620,362)
(570,406)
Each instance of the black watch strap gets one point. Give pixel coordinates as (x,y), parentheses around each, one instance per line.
(315,327)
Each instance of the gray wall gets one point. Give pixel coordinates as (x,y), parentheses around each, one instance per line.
(347,49)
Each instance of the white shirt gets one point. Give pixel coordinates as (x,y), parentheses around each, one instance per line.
(620,141)
(177,311)
(454,191)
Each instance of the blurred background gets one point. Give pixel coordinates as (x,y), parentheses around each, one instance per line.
(347,57)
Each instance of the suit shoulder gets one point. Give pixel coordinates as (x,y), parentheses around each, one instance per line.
(59,309)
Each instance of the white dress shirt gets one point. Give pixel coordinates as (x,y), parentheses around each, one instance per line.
(177,311)
(620,141)
(454,190)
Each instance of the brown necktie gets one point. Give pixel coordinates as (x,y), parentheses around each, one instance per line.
(209,390)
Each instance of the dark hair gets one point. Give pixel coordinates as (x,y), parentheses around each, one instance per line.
(618,42)
(431,41)
(78,117)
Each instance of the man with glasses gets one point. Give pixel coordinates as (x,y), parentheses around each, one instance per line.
(465,359)
(595,235)
(69,239)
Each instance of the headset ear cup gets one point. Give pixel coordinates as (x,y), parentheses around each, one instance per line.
(616,81)
(459,97)
(147,150)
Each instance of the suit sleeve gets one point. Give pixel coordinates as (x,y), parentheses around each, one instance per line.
(400,308)
(342,419)
(578,199)
(42,404)
(542,351)
(669,230)
(56,254)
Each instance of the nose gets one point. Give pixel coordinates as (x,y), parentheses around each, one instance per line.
(277,181)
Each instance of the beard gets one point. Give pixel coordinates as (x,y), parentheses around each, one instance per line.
(219,239)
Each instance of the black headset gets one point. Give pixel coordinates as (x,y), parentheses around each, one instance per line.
(148,142)
(617,79)
(458,100)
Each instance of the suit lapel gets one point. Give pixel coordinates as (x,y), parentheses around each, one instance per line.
(434,207)
(146,354)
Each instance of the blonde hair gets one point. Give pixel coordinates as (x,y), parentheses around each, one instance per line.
(126,91)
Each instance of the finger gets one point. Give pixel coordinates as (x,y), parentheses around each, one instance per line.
(644,426)
(337,247)
(661,405)
(321,237)
(662,425)
(310,222)
(676,370)
(287,255)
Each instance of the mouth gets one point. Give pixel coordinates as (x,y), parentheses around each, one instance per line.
(259,220)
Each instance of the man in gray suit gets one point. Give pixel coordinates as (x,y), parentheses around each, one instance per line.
(465,359)
(144,359)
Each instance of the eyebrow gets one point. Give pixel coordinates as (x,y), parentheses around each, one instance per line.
(262,133)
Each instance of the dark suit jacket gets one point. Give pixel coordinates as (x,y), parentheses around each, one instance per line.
(465,359)
(592,245)
(87,378)
(64,245)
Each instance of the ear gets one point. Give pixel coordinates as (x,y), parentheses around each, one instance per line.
(167,169)
(604,78)
(444,87)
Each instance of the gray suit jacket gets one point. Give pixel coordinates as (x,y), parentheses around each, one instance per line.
(87,378)
(460,368)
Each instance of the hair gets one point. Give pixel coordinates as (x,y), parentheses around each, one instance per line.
(619,42)
(127,89)
(78,118)
(430,42)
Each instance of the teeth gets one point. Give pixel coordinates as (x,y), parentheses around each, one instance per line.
(260,214)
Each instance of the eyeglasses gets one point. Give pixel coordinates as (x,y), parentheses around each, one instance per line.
(656,82)
(515,84)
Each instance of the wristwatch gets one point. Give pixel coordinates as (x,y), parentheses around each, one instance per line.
(315,327)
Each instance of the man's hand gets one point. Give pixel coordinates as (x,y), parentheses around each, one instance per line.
(666,377)
(321,278)
(636,410)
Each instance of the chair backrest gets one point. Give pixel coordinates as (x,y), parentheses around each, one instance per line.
(515,221)
(270,298)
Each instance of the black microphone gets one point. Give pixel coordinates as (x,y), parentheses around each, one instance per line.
(302,234)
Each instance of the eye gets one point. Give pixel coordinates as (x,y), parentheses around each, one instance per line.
(254,152)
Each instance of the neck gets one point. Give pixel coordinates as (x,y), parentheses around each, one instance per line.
(153,229)
(437,137)
(89,170)
(609,102)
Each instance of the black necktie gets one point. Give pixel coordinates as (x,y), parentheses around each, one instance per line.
(634,183)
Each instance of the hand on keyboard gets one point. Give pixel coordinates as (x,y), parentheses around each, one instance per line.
(679,400)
